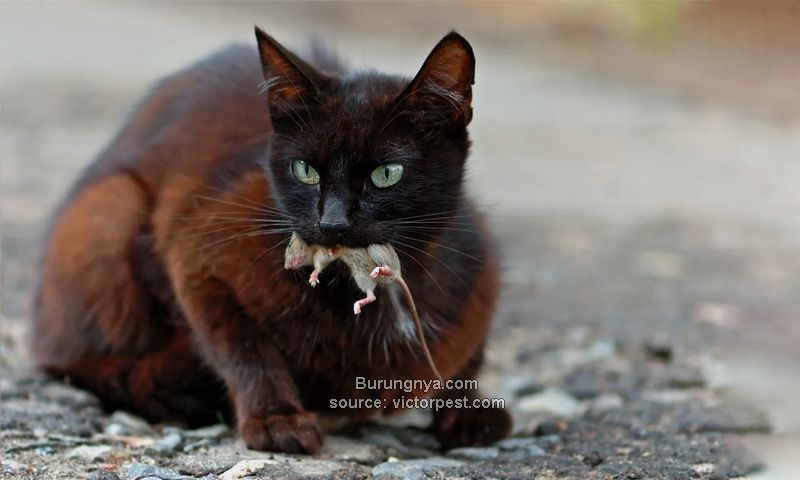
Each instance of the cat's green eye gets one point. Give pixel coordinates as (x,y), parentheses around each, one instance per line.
(305,172)
(387,175)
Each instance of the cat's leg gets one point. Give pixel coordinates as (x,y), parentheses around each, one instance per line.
(458,427)
(268,412)
(364,301)
(171,383)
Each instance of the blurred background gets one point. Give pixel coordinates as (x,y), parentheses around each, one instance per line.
(637,159)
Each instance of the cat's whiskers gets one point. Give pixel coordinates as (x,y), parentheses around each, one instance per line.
(458,277)
(254,207)
(439,245)
(268,249)
(252,232)
(420,265)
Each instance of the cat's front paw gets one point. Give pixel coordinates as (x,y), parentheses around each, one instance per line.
(296,433)
(465,427)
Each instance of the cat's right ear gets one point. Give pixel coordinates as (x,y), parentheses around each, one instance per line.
(444,83)
(287,77)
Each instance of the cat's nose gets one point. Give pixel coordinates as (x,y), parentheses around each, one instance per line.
(334,229)
(334,216)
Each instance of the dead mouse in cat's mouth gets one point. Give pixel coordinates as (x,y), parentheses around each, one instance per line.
(369,267)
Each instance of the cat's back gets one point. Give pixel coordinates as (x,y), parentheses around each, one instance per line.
(184,130)
(191,120)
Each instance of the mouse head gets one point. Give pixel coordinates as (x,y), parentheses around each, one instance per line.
(298,253)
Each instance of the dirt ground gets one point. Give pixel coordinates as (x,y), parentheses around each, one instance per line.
(643,191)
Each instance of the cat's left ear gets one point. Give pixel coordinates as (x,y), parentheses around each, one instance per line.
(287,76)
(445,80)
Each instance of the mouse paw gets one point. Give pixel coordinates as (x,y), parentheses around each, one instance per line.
(313,280)
(381,272)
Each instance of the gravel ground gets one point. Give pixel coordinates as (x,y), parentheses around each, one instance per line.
(647,328)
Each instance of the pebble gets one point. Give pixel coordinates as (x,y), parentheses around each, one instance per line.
(103,475)
(593,459)
(532,450)
(475,453)
(659,347)
(217,431)
(190,447)
(523,386)
(726,419)
(414,469)
(516,443)
(123,424)
(141,471)
(11,466)
(583,383)
(606,402)
(286,467)
(551,427)
(343,448)
(552,401)
(166,444)
(245,468)
(407,447)
(89,453)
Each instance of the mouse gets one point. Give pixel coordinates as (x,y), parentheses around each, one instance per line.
(300,254)
(371,266)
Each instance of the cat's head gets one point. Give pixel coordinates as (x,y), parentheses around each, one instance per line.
(366,158)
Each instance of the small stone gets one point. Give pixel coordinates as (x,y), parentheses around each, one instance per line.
(89,453)
(583,383)
(115,430)
(45,450)
(600,350)
(606,402)
(245,468)
(212,432)
(317,468)
(128,424)
(523,386)
(141,471)
(552,401)
(516,443)
(343,448)
(703,468)
(475,453)
(633,473)
(166,444)
(103,475)
(593,459)
(402,442)
(683,377)
(659,347)
(11,466)
(415,469)
(551,427)
(39,432)
(727,419)
(529,451)
(190,447)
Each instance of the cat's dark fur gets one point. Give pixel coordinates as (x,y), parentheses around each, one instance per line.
(162,286)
